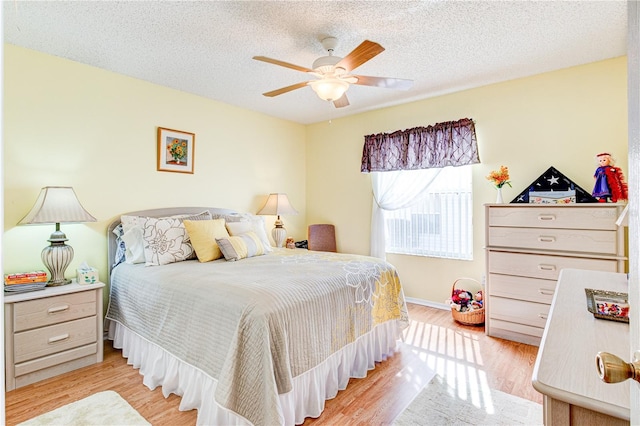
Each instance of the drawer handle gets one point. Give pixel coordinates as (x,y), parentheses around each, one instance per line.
(546,217)
(546,291)
(546,239)
(544,267)
(57,309)
(59,338)
(542,316)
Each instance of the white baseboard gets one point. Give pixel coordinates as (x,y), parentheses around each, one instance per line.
(428,303)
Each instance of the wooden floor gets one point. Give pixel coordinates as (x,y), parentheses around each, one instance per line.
(433,342)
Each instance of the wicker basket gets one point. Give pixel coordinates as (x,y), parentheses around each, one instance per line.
(475,317)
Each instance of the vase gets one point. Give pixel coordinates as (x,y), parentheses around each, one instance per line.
(499,199)
(177,160)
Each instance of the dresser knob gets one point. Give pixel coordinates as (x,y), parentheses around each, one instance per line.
(545,239)
(57,309)
(544,267)
(59,338)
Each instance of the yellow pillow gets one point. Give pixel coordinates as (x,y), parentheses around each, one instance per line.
(203,234)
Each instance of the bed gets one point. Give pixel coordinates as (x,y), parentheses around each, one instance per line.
(262,340)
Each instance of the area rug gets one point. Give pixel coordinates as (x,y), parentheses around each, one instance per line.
(103,408)
(440,404)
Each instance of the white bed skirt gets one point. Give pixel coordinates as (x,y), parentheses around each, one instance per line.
(310,389)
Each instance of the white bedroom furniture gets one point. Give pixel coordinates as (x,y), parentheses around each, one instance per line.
(527,245)
(565,370)
(51,331)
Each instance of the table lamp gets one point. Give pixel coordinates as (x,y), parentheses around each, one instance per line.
(278,204)
(57,204)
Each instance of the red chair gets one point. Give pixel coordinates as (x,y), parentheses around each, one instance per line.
(322,237)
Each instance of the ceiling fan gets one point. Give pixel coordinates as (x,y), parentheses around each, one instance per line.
(334,73)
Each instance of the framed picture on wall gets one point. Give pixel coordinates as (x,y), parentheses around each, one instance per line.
(175,150)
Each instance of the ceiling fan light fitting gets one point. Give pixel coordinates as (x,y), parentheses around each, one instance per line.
(329,89)
(325,64)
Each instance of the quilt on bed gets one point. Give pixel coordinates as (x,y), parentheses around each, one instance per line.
(255,324)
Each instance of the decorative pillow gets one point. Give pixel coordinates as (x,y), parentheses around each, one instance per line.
(136,244)
(203,234)
(165,241)
(241,246)
(120,247)
(252,224)
(134,251)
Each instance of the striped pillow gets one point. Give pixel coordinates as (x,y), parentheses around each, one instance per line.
(241,246)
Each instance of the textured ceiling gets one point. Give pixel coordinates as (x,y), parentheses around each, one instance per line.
(206,48)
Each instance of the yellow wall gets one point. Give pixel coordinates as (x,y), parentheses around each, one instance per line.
(561,119)
(70,124)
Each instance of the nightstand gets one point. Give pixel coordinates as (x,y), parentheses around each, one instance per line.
(51,331)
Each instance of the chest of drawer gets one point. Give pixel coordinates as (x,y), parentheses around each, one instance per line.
(54,338)
(53,310)
(603,218)
(524,288)
(546,267)
(519,311)
(576,240)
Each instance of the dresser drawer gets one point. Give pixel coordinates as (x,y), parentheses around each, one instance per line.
(52,310)
(517,332)
(519,311)
(567,217)
(542,266)
(576,240)
(54,338)
(525,288)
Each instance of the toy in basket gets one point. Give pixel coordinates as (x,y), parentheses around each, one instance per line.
(466,308)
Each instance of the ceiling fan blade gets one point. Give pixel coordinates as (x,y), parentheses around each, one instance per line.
(361,54)
(341,102)
(387,82)
(285,89)
(282,63)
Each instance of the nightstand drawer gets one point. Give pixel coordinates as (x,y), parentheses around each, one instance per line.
(543,266)
(523,288)
(53,310)
(580,240)
(54,338)
(555,217)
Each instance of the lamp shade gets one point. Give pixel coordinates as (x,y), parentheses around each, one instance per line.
(57,204)
(277,204)
(329,89)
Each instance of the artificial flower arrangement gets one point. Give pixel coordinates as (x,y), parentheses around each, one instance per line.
(500,177)
(463,300)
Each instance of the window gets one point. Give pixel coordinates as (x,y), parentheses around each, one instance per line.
(439,224)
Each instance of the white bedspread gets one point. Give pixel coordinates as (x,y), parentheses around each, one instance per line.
(256,325)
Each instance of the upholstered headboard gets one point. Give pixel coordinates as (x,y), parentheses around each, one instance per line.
(163,212)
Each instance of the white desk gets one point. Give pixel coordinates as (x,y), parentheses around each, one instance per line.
(565,370)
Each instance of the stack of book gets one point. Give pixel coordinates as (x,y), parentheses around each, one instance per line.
(25,281)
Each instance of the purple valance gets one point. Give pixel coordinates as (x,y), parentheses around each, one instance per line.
(451,143)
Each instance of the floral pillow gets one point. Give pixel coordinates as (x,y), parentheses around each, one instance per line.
(133,234)
(165,241)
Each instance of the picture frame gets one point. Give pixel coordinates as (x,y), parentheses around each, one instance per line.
(176,150)
(608,305)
